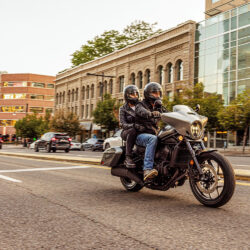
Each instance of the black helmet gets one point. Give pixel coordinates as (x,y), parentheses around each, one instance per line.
(152,87)
(128,91)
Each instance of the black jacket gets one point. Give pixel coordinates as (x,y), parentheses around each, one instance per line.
(144,122)
(127,117)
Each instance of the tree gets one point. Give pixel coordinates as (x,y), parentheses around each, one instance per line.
(236,116)
(113,40)
(65,122)
(104,114)
(31,126)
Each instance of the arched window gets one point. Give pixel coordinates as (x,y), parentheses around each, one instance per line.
(111,86)
(60,98)
(160,74)
(140,80)
(100,89)
(76,94)
(57,98)
(170,73)
(121,83)
(87,92)
(73,95)
(179,66)
(92,90)
(132,77)
(83,93)
(69,94)
(147,74)
(105,85)
(63,96)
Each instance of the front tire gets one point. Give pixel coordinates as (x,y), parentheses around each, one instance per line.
(48,148)
(36,149)
(218,185)
(66,150)
(130,185)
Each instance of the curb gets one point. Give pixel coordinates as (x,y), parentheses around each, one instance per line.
(240,174)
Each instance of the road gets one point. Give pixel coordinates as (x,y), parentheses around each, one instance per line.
(52,205)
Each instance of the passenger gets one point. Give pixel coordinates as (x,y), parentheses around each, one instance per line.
(148,113)
(127,122)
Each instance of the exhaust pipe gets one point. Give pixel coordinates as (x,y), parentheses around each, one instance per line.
(124,172)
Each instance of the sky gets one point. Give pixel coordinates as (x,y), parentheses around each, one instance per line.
(39,36)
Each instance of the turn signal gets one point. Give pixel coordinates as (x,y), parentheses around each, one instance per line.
(191,162)
(180,138)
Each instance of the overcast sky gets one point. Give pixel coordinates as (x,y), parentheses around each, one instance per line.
(39,36)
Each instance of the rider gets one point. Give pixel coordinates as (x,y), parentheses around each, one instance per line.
(127,121)
(148,113)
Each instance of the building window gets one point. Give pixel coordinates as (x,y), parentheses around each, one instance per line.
(37,84)
(148,77)
(105,86)
(15,84)
(63,96)
(92,90)
(76,94)
(179,70)
(12,109)
(132,78)
(73,95)
(60,98)
(36,109)
(14,96)
(39,97)
(140,80)
(111,86)
(91,109)
(100,89)
(170,73)
(214,1)
(7,123)
(50,85)
(82,111)
(83,93)
(87,111)
(121,83)
(76,110)
(87,92)
(160,74)
(49,110)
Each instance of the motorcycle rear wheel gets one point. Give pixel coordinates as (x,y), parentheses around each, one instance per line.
(130,185)
(218,186)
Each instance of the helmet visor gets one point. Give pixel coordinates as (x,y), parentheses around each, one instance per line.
(156,93)
(133,94)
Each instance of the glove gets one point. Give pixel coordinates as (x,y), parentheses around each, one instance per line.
(156,114)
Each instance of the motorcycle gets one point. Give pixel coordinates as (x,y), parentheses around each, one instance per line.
(180,155)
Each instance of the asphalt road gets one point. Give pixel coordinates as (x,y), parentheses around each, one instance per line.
(86,208)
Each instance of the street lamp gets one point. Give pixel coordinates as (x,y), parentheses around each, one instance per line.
(102,83)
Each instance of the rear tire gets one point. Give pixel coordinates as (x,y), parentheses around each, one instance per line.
(36,149)
(66,150)
(130,185)
(54,150)
(218,187)
(48,148)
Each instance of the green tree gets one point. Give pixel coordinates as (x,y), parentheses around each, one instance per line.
(106,112)
(112,40)
(31,126)
(236,116)
(65,122)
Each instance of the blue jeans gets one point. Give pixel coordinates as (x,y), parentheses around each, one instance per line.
(150,142)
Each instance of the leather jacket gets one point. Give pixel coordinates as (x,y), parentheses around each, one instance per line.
(127,117)
(144,122)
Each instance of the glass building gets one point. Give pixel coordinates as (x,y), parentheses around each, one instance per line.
(222,53)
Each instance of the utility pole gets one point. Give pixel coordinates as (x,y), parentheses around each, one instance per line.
(102,83)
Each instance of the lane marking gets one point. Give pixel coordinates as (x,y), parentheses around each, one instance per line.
(241,165)
(9,179)
(243,184)
(42,169)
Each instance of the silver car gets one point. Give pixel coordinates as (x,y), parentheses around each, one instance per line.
(113,141)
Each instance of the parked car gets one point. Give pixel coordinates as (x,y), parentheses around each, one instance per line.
(75,145)
(53,141)
(32,145)
(93,144)
(113,141)
(1,142)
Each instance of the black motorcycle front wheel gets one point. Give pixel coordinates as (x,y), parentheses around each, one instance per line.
(130,185)
(217,186)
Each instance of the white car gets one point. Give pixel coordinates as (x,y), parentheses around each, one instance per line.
(113,141)
(32,145)
(75,145)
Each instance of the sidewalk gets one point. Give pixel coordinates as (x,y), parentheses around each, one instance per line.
(241,174)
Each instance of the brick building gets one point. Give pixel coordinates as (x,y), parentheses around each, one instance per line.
(164,58)
(21,94)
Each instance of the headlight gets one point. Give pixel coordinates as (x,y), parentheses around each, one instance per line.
(196,130)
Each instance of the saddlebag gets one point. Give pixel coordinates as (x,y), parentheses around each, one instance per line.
(111,156)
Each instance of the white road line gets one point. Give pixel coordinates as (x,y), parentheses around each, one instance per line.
(41,169)
(9,179)
(241,165)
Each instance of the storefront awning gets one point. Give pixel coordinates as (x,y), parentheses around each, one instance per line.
(96,127)
(86,125)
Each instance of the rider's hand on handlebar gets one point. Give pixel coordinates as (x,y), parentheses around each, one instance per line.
(156,114)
